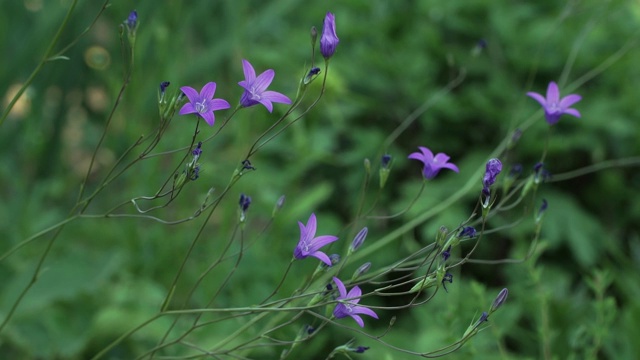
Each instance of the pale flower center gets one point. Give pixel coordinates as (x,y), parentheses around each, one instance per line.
(201,107)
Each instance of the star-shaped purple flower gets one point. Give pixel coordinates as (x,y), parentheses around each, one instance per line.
(432,164)
(553,106)
(309,244)
(203,104)
(255,88)
(347,305)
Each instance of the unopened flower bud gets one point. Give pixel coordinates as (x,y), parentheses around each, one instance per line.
(542,210)
(361,271)
(385,168)
(329,40)
(358,240)
(314,36)
(278,205)
(499,300)
(311,75)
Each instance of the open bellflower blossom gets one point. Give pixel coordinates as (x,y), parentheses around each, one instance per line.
(553,106)
(203,104)
(347,305)
(432,164)
(329,40)
(255,88)
(309,244)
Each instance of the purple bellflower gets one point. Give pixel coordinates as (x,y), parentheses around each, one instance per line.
(553,106)
(432,164)
(329,40)
(347,305)
(203,104)
(255,88)
(309,244)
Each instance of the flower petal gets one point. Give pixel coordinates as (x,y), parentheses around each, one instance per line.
(249,73)
(441,158)
(364,310)
(451,166)
(569,100)
(321,241)
(573,112)
(341,289)
(354,295)
(416,156)
(263,80)
(276,97)
(553,93)
(539,98)
(187,109)
(312,225)
(358,319)
(191,93)
(219,104)
(208,91)
(267,103)
(428,155)
(208,117)
(322,257)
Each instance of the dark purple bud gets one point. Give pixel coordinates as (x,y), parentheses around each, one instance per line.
(469,231)
(516,170)
(244,202)
(310,329)
(359,239)
(492,169)
(542,209)
(385,161)
(447,277)
(360,349)
(541,173)
(163,86)
(132,21)
(484,317)
(445,254)
(537,167)
(482,43)
(329,288)
(500,299)
(311,75)
(246,165)
(198,150)
(329,40)
(195,173)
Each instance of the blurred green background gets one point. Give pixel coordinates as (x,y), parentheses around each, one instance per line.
(575,299)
